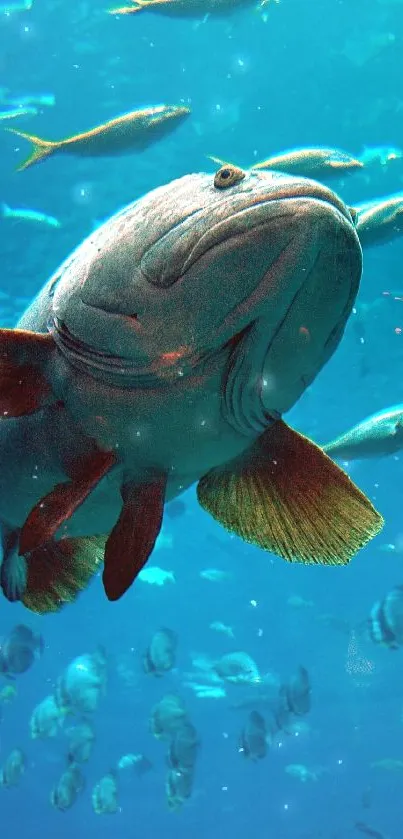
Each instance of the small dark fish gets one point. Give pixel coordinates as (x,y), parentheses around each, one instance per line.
(297,693)
(82,683)
(253,740)
(167,716)
(130,132)
(184,747)
(105,795)
(178,787)
(69,786)
(12,769)
(161,653)
(385,624)
(369,831)
(81,742)
(19,650)
(367,796)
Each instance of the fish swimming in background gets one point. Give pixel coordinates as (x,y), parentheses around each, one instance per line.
(379,222)
(26,111)
(160,655)
(46,719)
(383,155)
(13,769)
(238,669)
(164,351)
(369,831)
(379,435)
(69,786)
(105,795)
(134,131)
(218,626)
(16,6)
(314,163)
(47,100)
(29,215)
(19,650)
(184,8)
(385,623)
(254,737)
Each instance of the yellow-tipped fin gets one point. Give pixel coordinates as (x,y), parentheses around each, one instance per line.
(41,148)
(286,496)
(58,571)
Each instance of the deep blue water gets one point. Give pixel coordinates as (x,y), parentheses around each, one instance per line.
(324,72)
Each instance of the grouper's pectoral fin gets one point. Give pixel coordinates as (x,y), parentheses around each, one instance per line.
(24,388)
(133,537)
(58,571)
(286,496)
(60,504)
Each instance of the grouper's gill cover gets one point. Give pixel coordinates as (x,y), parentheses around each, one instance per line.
(179,332)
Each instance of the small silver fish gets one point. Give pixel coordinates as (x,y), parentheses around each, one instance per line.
(14,113)
(29,215)
(379,435)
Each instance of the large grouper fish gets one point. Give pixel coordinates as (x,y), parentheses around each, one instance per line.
(165,351)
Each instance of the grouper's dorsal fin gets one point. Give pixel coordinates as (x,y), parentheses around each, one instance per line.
(286,496)
(24,388)
(60,504)
(133,537)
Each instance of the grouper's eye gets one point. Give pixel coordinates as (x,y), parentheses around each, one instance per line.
(228,176)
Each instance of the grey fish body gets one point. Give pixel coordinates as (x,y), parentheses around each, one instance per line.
(165,347)
(377,436)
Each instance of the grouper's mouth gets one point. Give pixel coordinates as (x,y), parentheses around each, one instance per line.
(126,372)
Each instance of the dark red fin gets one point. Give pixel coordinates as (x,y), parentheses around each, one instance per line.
(133,537)
(23,386)
(286,496)
(60,504)
(58,571)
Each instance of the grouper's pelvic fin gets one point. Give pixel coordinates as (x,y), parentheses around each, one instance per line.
(56,571)
(24,388)
(41,148)
(133,537)
(59,505)
(287,496)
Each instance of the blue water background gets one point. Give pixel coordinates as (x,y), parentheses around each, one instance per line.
(299,79)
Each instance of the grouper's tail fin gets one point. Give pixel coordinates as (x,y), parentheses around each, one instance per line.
(41,148)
